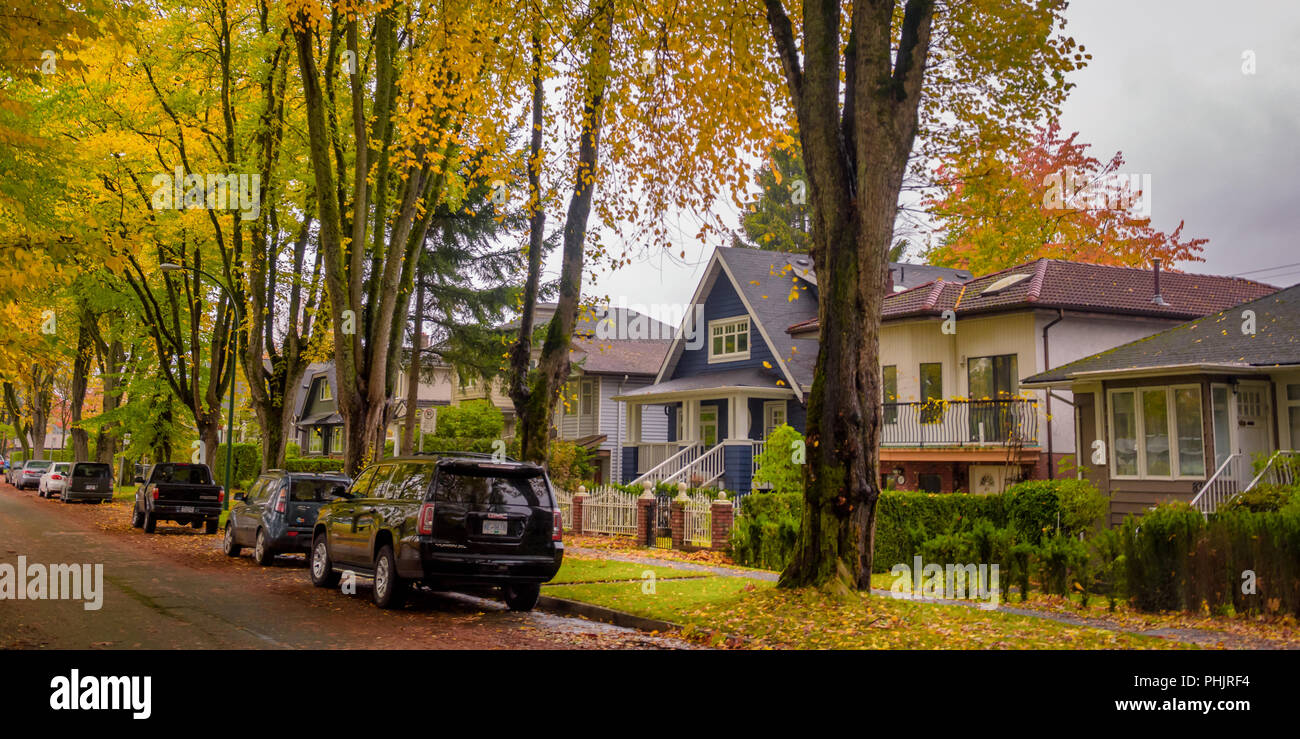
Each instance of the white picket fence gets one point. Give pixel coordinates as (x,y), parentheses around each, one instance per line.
(564,499)
(608,510)
(699,520)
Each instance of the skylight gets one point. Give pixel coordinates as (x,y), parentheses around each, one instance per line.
(1003,284)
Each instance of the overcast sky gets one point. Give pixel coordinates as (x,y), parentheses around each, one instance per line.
(1166,87)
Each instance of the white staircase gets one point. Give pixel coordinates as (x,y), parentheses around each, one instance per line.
(1224,484)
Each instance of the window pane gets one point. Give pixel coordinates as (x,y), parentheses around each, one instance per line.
(742,342)
(1191,435)
(1222,434)
(1294,415)
(979,377)
(717,344)
(1124,422)
(1293,391)
(730,345)
(931,392)
(889,381)
(1155,429)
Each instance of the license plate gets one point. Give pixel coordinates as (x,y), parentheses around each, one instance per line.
(187,509)
(92,487)
(494,528)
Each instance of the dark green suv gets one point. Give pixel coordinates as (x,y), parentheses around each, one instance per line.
(446,521)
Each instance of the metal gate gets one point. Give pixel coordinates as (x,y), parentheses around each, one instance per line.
(662,535)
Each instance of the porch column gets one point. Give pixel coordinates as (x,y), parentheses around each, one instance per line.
(691,422)
(633,424)
(738,424)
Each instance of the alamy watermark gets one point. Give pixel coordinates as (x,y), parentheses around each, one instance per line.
(38,581)
(1130,193)
(922,581)
(180,191)
(622,321)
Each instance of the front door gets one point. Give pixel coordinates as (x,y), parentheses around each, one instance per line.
(1254,426)
(709,425)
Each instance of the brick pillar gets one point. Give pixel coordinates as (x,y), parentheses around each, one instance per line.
(677,518)
(579,498)
(720,519)
(645,507)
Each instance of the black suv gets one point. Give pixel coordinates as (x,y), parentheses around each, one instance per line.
(277,513)
(451,521)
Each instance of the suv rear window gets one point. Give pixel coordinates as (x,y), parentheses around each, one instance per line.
(92,469)
(315,491)
(181,474)
(471,487)
(38,464)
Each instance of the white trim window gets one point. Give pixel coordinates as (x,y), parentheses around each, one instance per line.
(587,398)
(336,440)
(773,416)
(1157,433)
(326,393)
(315,440)
(729,339)
(1290,395)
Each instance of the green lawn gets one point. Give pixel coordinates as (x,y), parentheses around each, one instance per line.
(712,608)
(576,570)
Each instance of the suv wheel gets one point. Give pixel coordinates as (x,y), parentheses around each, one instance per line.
(209,526)
(261,553)
(150,523)
(322,569)
(390,589)
(137,518)
(521,596)
(228,544)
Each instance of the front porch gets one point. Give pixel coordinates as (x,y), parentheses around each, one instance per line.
(713,439)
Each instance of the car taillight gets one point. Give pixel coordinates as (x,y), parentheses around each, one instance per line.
(279,503)
(56,477)
(557,528)
(154,492)
(221,495)
(424,526)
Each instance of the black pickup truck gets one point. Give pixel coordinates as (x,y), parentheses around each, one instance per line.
(178,492)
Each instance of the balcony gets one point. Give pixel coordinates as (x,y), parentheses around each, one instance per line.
(960,423)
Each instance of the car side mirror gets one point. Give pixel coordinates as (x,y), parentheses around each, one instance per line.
(339,494)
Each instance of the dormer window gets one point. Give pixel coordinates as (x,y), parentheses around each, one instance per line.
(729,339)
(325,392)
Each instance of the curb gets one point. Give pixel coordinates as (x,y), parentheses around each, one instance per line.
(568,607)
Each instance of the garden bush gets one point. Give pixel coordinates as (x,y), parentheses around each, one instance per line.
(471,419)
(768,532)
(1264,498)
(313,464)
(292,449)
(247,462)
(906,519)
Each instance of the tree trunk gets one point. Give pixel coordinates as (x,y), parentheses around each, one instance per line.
(413,374)
(80,379)
(856,141)
(112,360)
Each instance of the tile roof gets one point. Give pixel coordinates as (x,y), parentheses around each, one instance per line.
(1215,340)
(620,356)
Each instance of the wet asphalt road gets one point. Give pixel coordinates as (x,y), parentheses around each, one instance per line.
(176,590)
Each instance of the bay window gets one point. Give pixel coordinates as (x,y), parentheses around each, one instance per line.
(1157,432)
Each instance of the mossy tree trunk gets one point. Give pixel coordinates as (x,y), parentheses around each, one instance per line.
(856,139)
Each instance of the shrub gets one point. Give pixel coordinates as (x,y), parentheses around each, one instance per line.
(247,462)
(313,464)
(1063,565)
(776,466)
(768,532)
(1157,549)
(906,519)
(1033,509)
(569,465)
(1082,507)
(471,419)
(1263,498)
(292,449)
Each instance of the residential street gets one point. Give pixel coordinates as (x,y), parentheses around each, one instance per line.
(176,590)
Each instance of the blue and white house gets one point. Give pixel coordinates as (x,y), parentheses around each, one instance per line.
(734,372)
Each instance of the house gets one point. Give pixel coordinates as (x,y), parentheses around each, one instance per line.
(952,354)
(733,373)
(318,427)
(1184,414)
(615,349)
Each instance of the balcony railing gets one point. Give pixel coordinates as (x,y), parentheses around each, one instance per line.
(960,423)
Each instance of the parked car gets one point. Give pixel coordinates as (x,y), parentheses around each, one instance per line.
(278,512)
(180,492)
(89,481)
(447,522)
(29,475)
(53,481)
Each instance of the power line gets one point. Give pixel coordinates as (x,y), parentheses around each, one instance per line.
(1266,269)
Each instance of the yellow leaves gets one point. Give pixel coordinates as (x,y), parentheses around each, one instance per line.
(767,364)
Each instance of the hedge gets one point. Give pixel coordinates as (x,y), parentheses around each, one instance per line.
(313,464)
(248,463)
(768,531)
(905,519)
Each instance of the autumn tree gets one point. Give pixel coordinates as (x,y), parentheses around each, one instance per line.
(862,78)
(996,209)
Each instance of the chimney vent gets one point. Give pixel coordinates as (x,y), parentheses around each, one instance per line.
(1155,271)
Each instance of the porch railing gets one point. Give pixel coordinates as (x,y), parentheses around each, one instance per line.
(960,423)
(1222,485)
(1281,469)
(705,469)
(671,466)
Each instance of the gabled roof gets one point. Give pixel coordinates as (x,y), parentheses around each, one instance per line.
(314,370)
(1209,343)
(1054,283)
